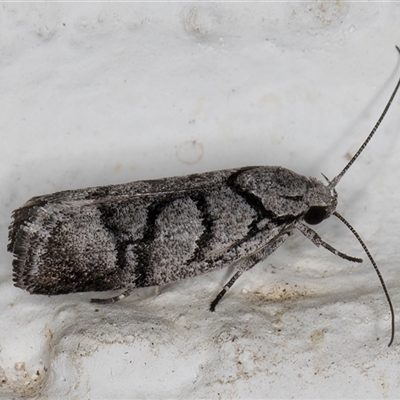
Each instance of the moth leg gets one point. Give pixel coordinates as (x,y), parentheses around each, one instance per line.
(316,239)
(224,290)
(114,299)
(250,262)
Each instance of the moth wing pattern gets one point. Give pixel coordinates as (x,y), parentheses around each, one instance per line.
(146,233)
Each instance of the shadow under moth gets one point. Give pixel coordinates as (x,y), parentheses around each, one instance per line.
(149,233)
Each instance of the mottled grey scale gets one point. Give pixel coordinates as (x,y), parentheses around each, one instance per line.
(282,191)
(126,219)
(177,228)
(82,234)
(148,190)
(76,245)
(132,266)
(231,216)
(131,256)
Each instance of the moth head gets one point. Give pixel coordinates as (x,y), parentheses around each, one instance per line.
(321,200)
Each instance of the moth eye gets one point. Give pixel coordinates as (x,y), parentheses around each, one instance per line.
(315,215)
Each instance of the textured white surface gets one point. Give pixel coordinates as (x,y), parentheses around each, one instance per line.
(96,93)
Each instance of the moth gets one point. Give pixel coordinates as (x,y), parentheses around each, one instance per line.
(149,233)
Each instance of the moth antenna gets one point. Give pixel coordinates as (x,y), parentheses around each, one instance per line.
(337,178)
(337,215)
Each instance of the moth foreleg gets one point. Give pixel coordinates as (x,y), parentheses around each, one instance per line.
(224,290)
(316,239)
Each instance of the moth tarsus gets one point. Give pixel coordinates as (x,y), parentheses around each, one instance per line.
(110,300)
(221,294)
(149,233)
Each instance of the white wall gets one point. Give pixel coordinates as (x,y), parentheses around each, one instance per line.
(102,93)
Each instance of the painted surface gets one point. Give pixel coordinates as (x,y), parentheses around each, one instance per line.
(95,94)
